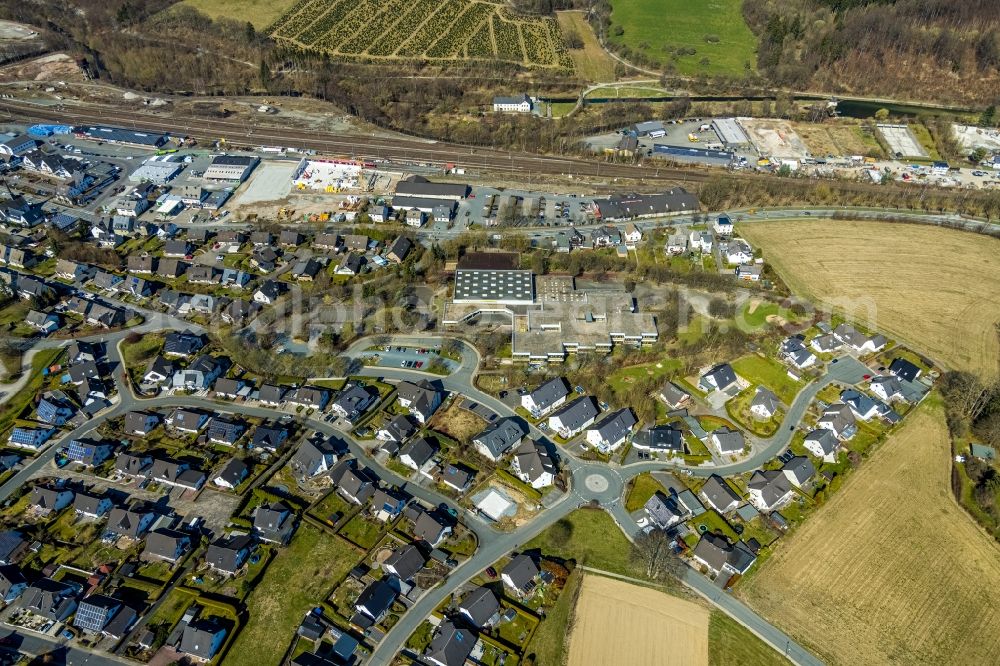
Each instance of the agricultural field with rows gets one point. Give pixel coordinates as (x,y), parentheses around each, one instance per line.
(436,31)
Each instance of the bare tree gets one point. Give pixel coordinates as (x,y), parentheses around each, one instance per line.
(652,553)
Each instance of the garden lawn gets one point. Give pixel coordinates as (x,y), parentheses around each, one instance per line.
(595,540)
(362,531)
(621,380)
(757,369)
(548,644)
(643,487)
(299,578)
(714,30)
(730,643)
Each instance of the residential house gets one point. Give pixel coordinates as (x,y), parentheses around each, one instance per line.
(171,269)
(51,599)
(350,265)
(73,270)
(229,388)
(313,458)
(666,438)
(769,489)
(888,388)
(166,545)
(664,511)
(520,575)
(232,475)
(264,259)
(23,437)
(45,500)
(533,464)
(904,370)
(545,398)
(81,352)
(765,404)
(129,464)
(838,418)
(54,408)
(825,344)
(405,562)
(178,474)
(420,398)
(351,403)
(159,371)
(720,557)
(738,251)
(187,420)
(183,344)
(226,555)
(306,271)
(862,406)
(355,484)
(822,443)
(201,374)
(87,452)
(793,350)
(273,523)
(12,583)
(417,454)
(727,441)
(719,494)
(309,397)
(399,249)
(105,615)
(224,431)
(387,504)
(574,417)
(451,645)
(201,640)
(612,431)
(397,429)
(673,396)
(267,293)
(677,244)
(799,470)
(91,506)
(106,282)
(718,378)
(268,437)
(499,438)
(126,522)
(271,395)
(327,242)
(723,226)
(457,477)
(857,341)
(431,527)
(480,607)
(238,312)
(375,602)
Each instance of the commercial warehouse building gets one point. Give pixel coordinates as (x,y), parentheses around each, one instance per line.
(493,277)
(632,206)
(730,133)
(123,136)
(694,155)
(157,170)
(417,186)
(231,168)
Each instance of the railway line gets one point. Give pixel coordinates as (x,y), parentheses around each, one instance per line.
(369,147)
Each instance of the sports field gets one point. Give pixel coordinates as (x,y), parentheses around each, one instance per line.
(686,33)
(438,31)
(891,570)
(937,289)
(621,623)
(259,12)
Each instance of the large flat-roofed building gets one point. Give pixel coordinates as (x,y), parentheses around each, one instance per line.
(419,187)
(422,204)
(493,277)
(730,132)
(675,201)
(128,137)
(156,170)
(233,168)
(559,319)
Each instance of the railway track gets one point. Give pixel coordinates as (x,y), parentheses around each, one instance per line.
(397,149)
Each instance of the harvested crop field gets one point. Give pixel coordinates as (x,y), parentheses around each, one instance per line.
(936,289)
(620,623)
(891,570)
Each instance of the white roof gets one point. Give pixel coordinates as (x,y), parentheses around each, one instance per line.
(495,505)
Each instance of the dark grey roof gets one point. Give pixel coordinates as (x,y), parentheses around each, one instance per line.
(722,374)
(271,393)
(273,521)
(198,637)
(224,430)
(420,187)
(355,400)
(420,450)
(227,554)
(234,472)
(533,460)
(903,369)
(577,413)
(718,492)
(310,456)
(764,397)
(663,510)
(428,526)
(659,438)
(616,425)
(480,605)
(499,437)
(165,543)
(406,562)
(521,570)
(400,248)
(87,503)
(800,468)
(549,393)
(729,441)
(672,394)
(826,439)
(376,598)
(451,645)
(772,484)
(714,550)
(399,427)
